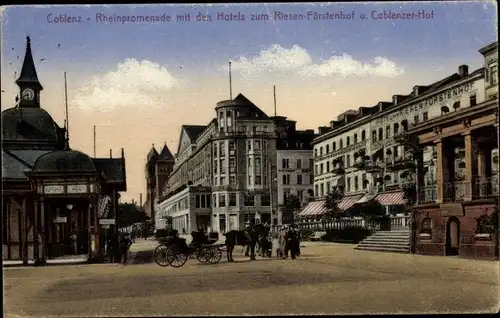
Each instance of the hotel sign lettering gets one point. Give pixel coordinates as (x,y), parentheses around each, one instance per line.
(77,188)
(53,189)
(452,94)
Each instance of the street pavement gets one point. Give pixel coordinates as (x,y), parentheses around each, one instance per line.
(326,279)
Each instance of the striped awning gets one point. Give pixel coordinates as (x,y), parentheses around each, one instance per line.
(391,198)
(348,201)
(314,208)
(365,198)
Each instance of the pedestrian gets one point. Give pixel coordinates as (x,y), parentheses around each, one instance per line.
(74,243)
(291,239)
(111,249)
(282,243)
(125,244)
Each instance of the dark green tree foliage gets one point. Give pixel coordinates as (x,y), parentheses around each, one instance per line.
(489,224)
(129,213)
(290,206)
(371,210)
(331,205)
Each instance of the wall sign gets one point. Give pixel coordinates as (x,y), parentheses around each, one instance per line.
(60,219)
(53,189)
(107,221)
(453,94)
(76,188)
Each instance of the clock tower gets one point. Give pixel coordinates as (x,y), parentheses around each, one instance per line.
(28,82)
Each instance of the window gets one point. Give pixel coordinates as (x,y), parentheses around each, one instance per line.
(299,164)
(340,144)
(315,152)
(249,162)
(396,128)
(322,190)
(197,201)
(257,145)
(232,199)
(355,138)
(285,163)
(328,166)
(374,135)
(223,166)
(231,145)
(222,149)
(356,185)
(363,135)
(320,168)
(222,200)
(348,160)
(425,116)
(258,180)
(249,200)
(415,119)
(316,169)
(215,200)
(216,164)
(222,180)
(286,179)
(387,131)
(249,142)
(364,182)
(316,194)
(493,74)
(249,180)
(396,152)
(232,180)
(208,200)
(327,148)
(328,188)
(380,134)
(348,184)
(222,223)
(257,165)
(265,200)
(215,150)
(311,163)
(473,101)
(232,163)
(348,141)
(321,151)
(334,146)
(299,179)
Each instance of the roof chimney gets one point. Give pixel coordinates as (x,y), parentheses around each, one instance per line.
(463,70)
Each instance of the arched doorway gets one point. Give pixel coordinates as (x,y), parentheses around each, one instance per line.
(452,236)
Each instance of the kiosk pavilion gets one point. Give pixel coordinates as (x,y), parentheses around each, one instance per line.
(55,201)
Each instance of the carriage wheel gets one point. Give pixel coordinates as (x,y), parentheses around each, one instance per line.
(214,255)
(202,255)
(176,259)
(160,255)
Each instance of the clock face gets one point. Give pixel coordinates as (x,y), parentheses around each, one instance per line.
(28,94)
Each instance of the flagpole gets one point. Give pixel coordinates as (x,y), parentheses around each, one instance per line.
(94,142)
(274,88)
(66,102)
(230,83)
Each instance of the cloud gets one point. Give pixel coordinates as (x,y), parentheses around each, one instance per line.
(297,60)
(134,84)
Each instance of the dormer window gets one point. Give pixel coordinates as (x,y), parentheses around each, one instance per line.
(355,138)
(348,141)
(363,135)
(395,100)
(415,90)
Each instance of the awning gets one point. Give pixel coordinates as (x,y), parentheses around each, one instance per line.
(365,198)
(348,201)
(391,198)
(314,208)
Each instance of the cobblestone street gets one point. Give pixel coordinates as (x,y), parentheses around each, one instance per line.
(327,278)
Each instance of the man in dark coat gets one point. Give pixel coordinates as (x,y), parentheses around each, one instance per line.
(125,243)
(254,237)
(292,239)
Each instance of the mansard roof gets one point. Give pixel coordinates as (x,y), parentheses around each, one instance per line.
(194,131)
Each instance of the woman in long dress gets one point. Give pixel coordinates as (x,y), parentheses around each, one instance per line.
(282,242)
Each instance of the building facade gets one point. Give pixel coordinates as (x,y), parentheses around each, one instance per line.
(454,214)
(359,154)
(294,174)
(231,159)
(55,201)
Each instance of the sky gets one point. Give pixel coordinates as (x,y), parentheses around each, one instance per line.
(139,81)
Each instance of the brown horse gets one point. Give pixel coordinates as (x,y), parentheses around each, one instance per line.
(243,238)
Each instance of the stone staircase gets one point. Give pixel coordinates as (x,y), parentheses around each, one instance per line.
(396,241)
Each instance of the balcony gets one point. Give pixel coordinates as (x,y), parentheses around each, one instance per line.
(400,164)
(482,188)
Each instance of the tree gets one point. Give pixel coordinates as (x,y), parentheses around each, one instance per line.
(289,207)
(374,213)
(331,204)
(129,213)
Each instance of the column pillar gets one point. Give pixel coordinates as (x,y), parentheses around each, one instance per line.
(96,226)
(89,231)
(471,166)
(44,224)
(442,173)
(36,245)
(480,189)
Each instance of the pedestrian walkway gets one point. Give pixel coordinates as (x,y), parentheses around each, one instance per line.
(65,260)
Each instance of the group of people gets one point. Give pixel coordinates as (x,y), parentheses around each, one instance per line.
(289,241)
(123,244)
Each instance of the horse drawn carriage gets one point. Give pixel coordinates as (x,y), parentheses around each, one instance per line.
(174,251)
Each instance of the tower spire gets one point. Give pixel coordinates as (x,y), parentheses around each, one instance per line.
(28,80)
(28,76)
